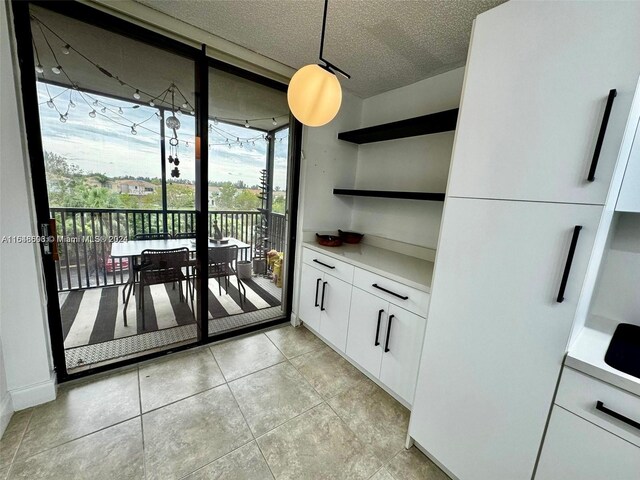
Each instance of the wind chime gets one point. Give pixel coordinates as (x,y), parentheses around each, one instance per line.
(262,229)
(173,124)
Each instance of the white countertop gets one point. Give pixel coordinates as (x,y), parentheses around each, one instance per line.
(411,271)
(588,351)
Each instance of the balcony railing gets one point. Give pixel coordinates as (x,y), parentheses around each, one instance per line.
(84,259)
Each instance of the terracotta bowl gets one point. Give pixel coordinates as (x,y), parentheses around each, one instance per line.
(351,237)
(328,240)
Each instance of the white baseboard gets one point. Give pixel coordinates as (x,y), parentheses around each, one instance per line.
(6,410)
(35,394)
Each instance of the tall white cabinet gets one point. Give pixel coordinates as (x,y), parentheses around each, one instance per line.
(519,225)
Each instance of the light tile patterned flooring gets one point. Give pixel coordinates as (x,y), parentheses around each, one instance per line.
(279,404)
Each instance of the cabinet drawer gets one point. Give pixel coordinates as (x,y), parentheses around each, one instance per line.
(328,264)
(416,301)
(579,393)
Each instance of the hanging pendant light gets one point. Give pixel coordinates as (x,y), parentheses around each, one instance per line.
(314,93)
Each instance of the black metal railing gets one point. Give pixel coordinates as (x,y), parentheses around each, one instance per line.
(86,236)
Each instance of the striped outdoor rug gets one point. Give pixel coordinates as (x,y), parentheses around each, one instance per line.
(95,315)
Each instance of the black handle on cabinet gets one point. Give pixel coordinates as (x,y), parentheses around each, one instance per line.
(323,264)
(386,343)
(375,285)
(600,406)
(317,287)
(324,284)
(377,342)
(567,265)
(603,129)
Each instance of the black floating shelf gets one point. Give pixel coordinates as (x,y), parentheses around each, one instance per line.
(435,197)
(411,127)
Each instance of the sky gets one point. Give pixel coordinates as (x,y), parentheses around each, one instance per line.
(105,144)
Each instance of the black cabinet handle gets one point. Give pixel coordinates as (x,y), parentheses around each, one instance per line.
(600,406)
(377,342)
(317,287)
(323,264)
(375,285)
(386,343)
(567,265)
(603,129)
(322,309)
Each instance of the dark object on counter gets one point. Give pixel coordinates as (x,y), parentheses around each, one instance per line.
(351,237)
(624,350)
(328,240)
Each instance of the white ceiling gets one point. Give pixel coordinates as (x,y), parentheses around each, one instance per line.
(383,44)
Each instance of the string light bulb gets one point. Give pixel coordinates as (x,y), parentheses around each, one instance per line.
(179,112)
(65,49)
(92,114)
(185,105)
(192,112)
(120,110)
(50,103)
(215,120)
(39,68)
(136,94)
(246,123)
(152,104)
(95,103)
(57,69)
(103,109)
(63,118)
(133,129)
(273,121)
(71,104)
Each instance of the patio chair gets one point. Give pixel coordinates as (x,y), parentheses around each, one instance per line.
(222,263)
(185,235)
(135,268)
(160,267)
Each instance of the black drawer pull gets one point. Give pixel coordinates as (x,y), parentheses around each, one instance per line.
(375,285)
(567,265)
(600,406)
(317,287)
(323,264)
(603,129)
(322,309)
(377,342)
(386,343)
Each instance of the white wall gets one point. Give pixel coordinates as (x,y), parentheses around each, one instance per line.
(6,406)
(23,329)
(410,164)
(617,296)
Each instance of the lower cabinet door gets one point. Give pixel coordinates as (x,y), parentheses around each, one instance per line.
(366,330)
(335,300)
(309,303)
(403,337)
(575,449)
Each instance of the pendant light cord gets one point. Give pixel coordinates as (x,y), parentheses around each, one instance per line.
(328,65)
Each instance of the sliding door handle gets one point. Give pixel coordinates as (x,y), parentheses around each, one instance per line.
(317,287)
(377,342)
(322,309)
(603,129)
(618,416)
(567,265)
(386,343)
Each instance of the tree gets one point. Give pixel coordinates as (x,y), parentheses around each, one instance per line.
(279,204)
(246,200)
(226,199)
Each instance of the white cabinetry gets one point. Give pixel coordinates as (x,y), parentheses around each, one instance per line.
(594,432)
(496,334)
(536,86)
(325,299)
(385,340)
(376,322)
(575,449)
(629,198)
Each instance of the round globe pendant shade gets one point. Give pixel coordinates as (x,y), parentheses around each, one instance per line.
(314,95)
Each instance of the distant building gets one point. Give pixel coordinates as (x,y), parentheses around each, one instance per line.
(133,187)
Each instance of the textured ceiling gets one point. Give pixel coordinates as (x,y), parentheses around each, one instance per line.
(383,44)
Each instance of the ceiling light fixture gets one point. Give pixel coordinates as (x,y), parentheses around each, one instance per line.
(314,93)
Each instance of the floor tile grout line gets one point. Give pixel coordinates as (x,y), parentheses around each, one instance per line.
(241,412)
(219,458)
(265,459)
(24,432)
(77,438)
(144,450)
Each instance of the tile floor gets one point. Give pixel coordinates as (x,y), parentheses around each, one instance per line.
(279,404)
